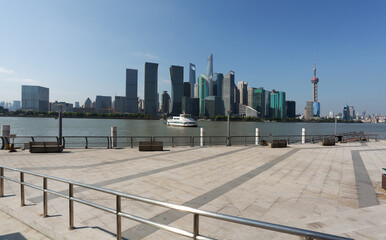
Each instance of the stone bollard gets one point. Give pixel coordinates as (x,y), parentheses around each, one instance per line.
(202,135)
(257,139)
(114,140)
(303,135)
(5,132)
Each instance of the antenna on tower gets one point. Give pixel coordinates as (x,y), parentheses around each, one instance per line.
(314,64)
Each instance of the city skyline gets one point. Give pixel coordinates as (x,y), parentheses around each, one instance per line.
(78,56)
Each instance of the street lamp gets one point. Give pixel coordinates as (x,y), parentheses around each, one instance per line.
(229,128)
(60,124)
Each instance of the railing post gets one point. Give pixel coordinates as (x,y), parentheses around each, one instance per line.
(71,206)
(196,226)
(245,141)
(131,142)
(172,141)
(1,182)
(119,218)
(192,141)
(210,141)
(86,142)
(108,142)
(22,189)
(64,142)
(45,199)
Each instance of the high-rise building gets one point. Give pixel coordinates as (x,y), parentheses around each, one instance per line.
(278,104)
(228,91)
(120,104)
(259,101)
(309,110)
(243,92)
(267,100)
(250,91)
(346,113)
(151,81)
(16,105)
(35,98)
(291,109)
(203,92)
(165,102)
(87,103)
(177,80)
(219,83)
(187,89)
(131,91)
(192,77)
(196,90)
(103,104)
(209,74)
(352,112)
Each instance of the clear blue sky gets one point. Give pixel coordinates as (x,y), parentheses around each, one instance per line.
(80,49)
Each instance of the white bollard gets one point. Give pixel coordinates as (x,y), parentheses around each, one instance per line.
(5,130)
(114,142)
(303,135)
(202,135)
(257,139)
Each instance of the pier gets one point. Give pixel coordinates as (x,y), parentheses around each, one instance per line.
(334,190)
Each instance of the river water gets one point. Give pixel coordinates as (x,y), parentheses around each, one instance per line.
(23,126)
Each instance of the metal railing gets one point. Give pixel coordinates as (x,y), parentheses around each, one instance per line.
(195,234)
(174,141)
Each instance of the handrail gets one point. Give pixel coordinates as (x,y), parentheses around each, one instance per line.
(89,141)
(119,213)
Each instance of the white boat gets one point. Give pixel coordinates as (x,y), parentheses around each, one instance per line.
(184,120)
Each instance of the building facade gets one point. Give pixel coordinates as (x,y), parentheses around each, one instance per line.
(103,104)
(151,82)
(228,92)
(278,107)
(120,104)
(35,98)
(165,102)
(192,77)
(131,105)
(203,92)
(177,81)
(243,92)
(291,109)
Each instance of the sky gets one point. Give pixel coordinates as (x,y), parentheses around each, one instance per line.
(80,49)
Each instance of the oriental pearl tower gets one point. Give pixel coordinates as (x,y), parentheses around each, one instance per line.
(314,81)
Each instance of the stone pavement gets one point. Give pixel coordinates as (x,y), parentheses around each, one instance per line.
(330,189)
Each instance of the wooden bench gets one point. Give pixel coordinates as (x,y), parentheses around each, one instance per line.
(45,147)
(328,141)
(278,143)
(151,146)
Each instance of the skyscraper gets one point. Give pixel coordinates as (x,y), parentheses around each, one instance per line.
(219,80)
(103,104)
(243,92)
(120,104)
(131,90)
(278,104)
(228,91)
(165,101)
(177,80)
(203,92)
(259,101)
(151,81)
(192,77)
(209,73)
(34,98)
(187,89)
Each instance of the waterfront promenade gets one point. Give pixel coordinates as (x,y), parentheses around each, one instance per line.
(335,189)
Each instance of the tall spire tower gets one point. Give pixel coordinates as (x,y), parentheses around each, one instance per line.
(315,81)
